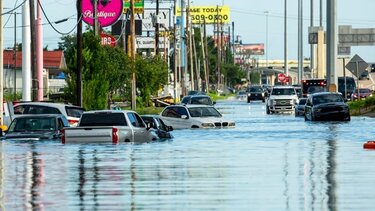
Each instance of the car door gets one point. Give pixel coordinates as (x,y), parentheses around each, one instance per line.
(173,116)
(308,109)
(141,134)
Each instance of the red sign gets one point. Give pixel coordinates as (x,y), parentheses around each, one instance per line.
(107,39)
(108,11)
(282,78)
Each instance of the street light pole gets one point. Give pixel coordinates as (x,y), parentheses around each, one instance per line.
(266,12)
(285,39)
(15,57)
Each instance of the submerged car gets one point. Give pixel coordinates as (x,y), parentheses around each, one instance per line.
(36,127)
(194,116)
(299,108)
(162,130)
(241,95)
(326,106)
(197,100)
(256,93)
(362,93)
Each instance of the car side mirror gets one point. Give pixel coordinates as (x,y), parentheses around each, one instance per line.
(184,117)
(149,125)
(169,128)
(214,102)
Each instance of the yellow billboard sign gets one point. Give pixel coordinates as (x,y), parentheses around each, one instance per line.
(208,14)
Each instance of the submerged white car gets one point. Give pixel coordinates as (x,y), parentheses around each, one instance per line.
(194,116)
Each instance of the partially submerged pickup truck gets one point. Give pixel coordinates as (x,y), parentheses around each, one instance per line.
(281,99)
(109,126)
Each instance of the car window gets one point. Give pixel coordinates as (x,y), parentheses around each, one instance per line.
(320,99)
(276,91)
(185,100)
(174,112)
(33,124)
(204,112)
(103,119)
(201,100)
(35,109)
(135,120)
(74,111)
(302,101)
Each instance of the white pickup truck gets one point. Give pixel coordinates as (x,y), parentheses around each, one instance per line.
(281,99)
(109,126)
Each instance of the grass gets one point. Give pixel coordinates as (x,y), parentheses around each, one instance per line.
(360,107)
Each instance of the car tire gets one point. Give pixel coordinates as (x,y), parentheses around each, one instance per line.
(248,100)
(263,100)
(268,110)
(306,119)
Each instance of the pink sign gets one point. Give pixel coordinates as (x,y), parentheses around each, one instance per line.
(108,11)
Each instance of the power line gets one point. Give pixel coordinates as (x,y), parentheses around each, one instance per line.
(14,9)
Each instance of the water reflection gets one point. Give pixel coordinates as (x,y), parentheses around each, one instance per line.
(268,162)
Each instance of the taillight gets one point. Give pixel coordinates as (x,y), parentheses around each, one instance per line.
(63,136)
(72,122)
(115,135)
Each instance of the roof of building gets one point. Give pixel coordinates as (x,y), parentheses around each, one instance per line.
(52,59)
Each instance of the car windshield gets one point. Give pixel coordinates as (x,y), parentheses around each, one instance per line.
(74,111)
(363,91)
(277,91)
(201,100)
(32,124)
(256,89)
(204,112)
(315,89)
(320,99)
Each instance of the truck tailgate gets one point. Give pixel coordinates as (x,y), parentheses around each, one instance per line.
(95,134)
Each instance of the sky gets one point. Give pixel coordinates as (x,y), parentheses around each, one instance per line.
(248,16)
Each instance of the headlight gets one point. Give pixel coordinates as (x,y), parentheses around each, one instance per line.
(249,94)
(231,124)
(208,125)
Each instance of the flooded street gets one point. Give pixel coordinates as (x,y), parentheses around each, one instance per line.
(268,162)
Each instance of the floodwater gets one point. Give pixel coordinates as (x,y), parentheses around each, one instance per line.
(268,162)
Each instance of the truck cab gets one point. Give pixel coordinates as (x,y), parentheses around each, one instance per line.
(281,99)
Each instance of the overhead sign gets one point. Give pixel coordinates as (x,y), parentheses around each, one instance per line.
(149,42)
(139,6)
(208,14)
(251,49)
(108,12)
(164,19)
(357,65)
(107,39)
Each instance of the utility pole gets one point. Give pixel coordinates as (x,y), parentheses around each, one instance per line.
(266,13)
(206,56)
(331,45)
(33,51)
(312,46)
(157,29)
(1,64)
(96,23)
(300,41)
(197,68)
(183,63)
(79,99)
(174,54)
(218,40)
(189,37)
(233,46)
(26,54)
(286,70)
(15,57)
(132,40)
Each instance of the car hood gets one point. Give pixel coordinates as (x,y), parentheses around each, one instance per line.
(283,97)
(211,119)
(30,135)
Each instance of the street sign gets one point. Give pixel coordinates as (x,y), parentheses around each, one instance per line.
(208,14)
(139,6)
(149,43)
(356,65)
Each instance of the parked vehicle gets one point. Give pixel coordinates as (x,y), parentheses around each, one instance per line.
(256,93)
(162,130)
(197,100)
(36,127)
(363,93)
(326,106)
(347,87)
(311,86)
(194,116)
(109,126)
(241,95)
(299,108)
(281,99)
(195,92)
(71,112)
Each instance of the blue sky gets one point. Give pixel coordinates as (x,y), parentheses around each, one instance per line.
(248,16)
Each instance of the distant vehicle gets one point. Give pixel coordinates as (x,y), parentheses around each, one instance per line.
(194,116)
(326,106)
(281,99)
(162,130)
(36,127)
(197,100)
(311,86)
(71,112)
(372,68)
(256,93)
(195,92)
(350,86)
(363,93)
(299,109)
(364,75)
(241,95)
(109,126)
